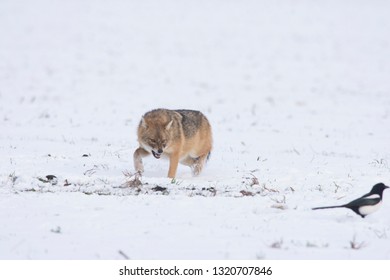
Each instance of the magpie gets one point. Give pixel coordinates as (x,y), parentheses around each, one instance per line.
(366,204)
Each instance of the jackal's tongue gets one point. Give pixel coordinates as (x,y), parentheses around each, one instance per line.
(156,155)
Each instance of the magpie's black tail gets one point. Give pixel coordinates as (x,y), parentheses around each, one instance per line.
(327,207)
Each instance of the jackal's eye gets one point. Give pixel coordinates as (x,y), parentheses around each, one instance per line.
(152,141)
(164,143)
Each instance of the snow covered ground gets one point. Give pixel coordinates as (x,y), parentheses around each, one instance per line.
(298,94)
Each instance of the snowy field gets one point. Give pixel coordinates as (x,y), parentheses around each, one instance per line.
(297,92)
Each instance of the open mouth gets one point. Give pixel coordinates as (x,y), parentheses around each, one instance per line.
(156,155)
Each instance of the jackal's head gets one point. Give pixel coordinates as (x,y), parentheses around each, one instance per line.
(154,134)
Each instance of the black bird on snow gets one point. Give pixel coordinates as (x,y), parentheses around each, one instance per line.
(366,204)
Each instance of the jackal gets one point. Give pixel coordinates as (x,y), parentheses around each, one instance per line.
(181,135)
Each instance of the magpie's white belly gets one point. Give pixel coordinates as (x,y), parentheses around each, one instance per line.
(368,209)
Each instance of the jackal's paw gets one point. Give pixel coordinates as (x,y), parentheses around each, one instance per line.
(139,167)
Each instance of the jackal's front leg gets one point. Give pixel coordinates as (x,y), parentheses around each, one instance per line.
(137,157)
(173,163)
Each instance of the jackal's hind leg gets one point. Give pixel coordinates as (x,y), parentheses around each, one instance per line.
(198,164)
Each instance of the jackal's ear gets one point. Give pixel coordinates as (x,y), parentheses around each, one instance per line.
(169,125)
(143,123)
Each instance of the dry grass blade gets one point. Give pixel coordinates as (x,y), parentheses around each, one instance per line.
(132,180)
(356,245)
(277,244)
(123,255)
(246,193)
